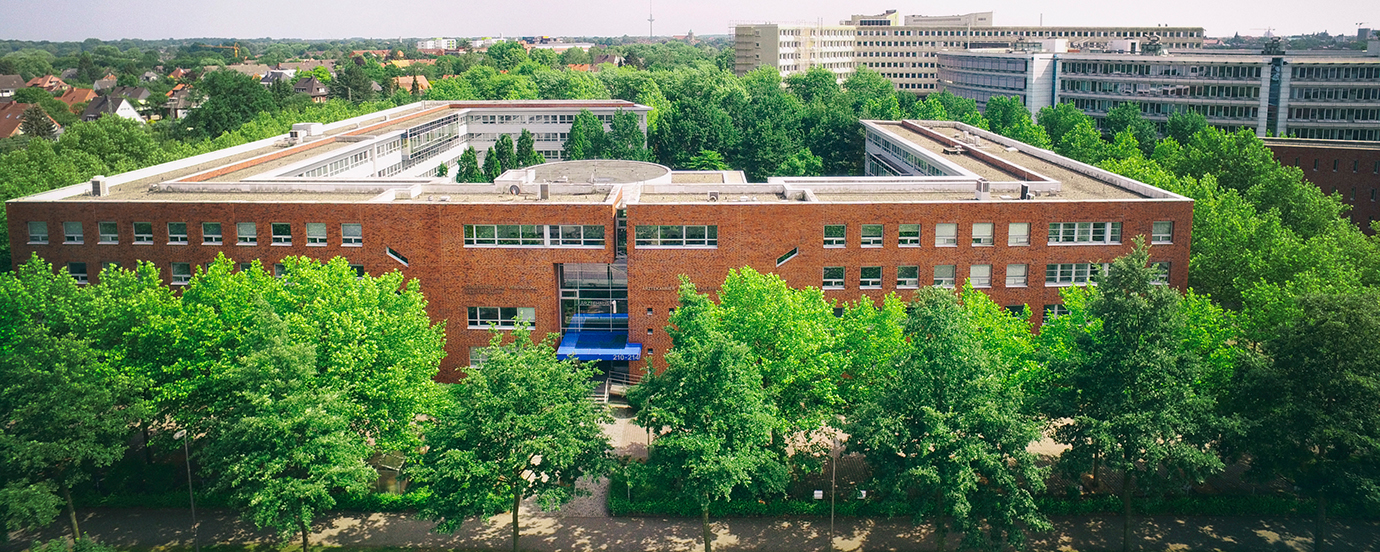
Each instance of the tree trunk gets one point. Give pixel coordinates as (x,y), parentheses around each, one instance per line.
(71,510)
(517,501)
(1320,532)
(704,528)
(941,527)
(1128,484)
(306,545)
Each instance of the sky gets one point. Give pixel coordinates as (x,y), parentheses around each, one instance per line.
(69,20)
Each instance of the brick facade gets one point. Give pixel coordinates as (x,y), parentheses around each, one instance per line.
(1350,170)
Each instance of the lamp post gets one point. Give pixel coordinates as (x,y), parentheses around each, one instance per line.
(191,498)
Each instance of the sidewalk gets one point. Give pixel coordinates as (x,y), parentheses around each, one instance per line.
(145,529)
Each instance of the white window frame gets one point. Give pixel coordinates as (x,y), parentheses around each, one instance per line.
(251,238)
(143,238)
(866,281)
(351,234)
(316,234)
(877,231)
(835,241)
(1084,233)
(277,239)
(1073,274)
(212,238)
(980,275)
(1161,277)
(903,240)
(1017,275)
(911,281)
(1158,234)
(180,279)
(837,282)
(944,275)
(982,234)
(1018,234)
(676,236)
(72,233)
(483,318)
(108,238)
(83,277)
(177,239)
(946,234)
(38,237)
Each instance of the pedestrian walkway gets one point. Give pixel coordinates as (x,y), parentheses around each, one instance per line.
(159,529)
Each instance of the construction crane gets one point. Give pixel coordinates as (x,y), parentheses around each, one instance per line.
(235,47)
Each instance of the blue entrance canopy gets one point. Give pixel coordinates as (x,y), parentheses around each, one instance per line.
(592,337)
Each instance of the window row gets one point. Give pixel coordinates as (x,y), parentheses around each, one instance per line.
(980,275)
(909,235)
(676,236)
(212,233)
(534,235)
(481,318)
(180,274)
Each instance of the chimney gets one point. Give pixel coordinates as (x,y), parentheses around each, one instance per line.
(544,191)
(984,189)
(1025,191)
(99,187)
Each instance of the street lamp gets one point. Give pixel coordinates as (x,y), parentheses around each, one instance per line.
(191,498)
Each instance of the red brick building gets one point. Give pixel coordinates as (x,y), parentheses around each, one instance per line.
(594,249)
(1347,168)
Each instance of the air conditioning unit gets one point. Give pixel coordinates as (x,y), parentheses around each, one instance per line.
(713,195)
(294,137)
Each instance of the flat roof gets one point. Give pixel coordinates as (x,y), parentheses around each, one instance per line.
(1322,144)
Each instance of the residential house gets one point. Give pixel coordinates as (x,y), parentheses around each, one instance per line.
(116,105)
(276,75)
(309,65)
(50,83)
(601,59)
(582,67)
(405,83)
(103,83)
(313,87)
(68,74)
(181,100)
(256,70)
(76,96)
(405,63)
(9,84)
(179,73)
(148,76)
(12,117)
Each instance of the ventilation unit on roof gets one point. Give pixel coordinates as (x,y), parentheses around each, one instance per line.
(713,195)
(984,189)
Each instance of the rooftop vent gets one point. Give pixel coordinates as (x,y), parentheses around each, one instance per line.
(98,186)
(984,189)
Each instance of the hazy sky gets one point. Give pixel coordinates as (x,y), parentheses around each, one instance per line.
(63,20)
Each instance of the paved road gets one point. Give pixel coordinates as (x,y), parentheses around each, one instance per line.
(147,529)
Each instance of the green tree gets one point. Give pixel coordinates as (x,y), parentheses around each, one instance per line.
(1183,124)
(232,99)
(707,161)
(586,139)
(693,124)
(468,168)
(625,139)
(946,435)
(504,150)
(802,163)
(1083,143)
(832,132)
(817,83)
(506,55)
(574,56)
(1127,117)
(442,170)
(1310,405)
(709,411)
(1129,384)
(1061,119)
(526,150)
(36,124)
(492,169)
(864,85)
(520,425)
(1005,113)
(352,83)
(281,446)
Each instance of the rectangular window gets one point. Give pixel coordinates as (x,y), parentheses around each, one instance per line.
(316,234)
(946,235)
(1072,274)
(1162,232)
(282,233)
(279,270)
(177,233)
(980,276)
(38,232)
(676,236)
(908,235)
(210,233)
(246,233)
(482,318)
(871,235)
(1016,275)
(78,272)
(833,277)
(181,274)
(944,276)
(352,235)
(1161,273)
(907,277)
(110,232)
(870,278)
(478,355)
(143,232)
(982,233)
(835,235)
(574,235)
(1085,232)
(359,270)
(71,232)
(1018,233)
(1054,311)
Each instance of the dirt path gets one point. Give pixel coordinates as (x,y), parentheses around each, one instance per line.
(144,529)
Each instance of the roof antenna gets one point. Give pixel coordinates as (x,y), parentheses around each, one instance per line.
(649,19)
